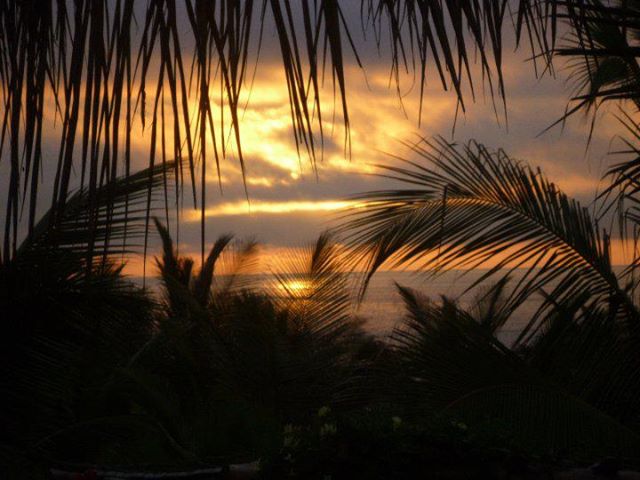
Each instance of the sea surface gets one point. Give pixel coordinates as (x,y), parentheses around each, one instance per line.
(383,309)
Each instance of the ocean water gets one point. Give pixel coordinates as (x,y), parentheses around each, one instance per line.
(383,309)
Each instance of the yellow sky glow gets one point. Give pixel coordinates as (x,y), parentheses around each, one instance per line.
(379,122)
(260,207)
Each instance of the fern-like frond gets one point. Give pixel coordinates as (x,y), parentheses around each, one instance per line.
(468,207)
(550,399)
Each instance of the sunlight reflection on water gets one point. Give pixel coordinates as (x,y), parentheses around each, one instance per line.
(383,309)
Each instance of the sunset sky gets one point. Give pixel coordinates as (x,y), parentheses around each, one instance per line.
(290,203)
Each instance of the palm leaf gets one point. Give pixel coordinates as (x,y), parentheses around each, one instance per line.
(66,305)
(452,366)
(620,197)
(467,206)
(548,421)
(98,225)
(602,54)
(443,354)
(98,66)
(293,348)
(238,268)
(311,286)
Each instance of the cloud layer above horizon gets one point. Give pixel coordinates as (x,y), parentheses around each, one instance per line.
(284,200)
(289,200)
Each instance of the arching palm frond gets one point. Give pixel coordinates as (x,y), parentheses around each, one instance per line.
(621,196)
(491,305)
(467,207)
(311,286)
(239,265)
(451,34)
(107,68)
(207,288)
(314,292)
(98,226)
(69,315)
(603,51)
(449,364)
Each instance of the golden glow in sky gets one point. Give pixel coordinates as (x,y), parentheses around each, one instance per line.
(290,199)
(271,207)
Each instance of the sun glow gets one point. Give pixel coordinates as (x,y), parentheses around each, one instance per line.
(280,180)
(296,287)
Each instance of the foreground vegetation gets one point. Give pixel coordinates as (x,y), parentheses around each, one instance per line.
(215,370)
(98,372)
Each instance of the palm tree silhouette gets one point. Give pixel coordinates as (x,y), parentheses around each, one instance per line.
(97,65)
